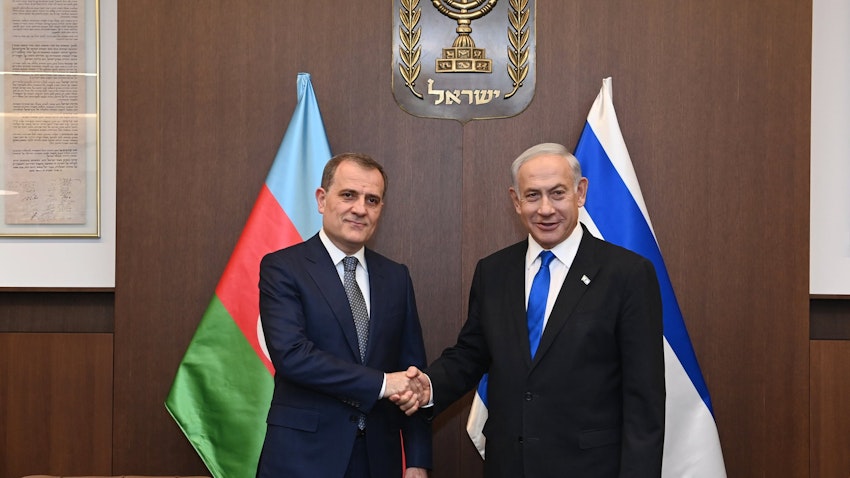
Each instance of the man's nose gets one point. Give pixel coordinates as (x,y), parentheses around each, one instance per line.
(359,206)
(545,206)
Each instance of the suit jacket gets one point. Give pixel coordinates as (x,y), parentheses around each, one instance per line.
(320,385)
(591,403)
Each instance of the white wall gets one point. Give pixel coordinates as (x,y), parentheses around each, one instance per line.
(830,169)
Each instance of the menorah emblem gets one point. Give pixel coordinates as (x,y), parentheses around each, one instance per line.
(428,78)
(463,56)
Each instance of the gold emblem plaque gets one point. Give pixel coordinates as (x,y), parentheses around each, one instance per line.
(464,60)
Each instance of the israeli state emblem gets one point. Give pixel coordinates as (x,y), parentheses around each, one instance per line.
(464,60)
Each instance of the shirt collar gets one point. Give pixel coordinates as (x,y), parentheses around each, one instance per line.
(337,255)
(565,251)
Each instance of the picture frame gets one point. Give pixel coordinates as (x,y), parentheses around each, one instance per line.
(50,147)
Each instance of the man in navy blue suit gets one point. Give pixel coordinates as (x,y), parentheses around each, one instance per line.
(329,416)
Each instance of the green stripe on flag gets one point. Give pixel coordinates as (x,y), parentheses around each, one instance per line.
(221,395)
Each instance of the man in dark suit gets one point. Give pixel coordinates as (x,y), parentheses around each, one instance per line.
(327,417)
(589,402)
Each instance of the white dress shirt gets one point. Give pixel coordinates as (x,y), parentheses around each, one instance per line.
(564,252)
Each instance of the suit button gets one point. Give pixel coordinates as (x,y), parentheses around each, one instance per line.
(529,396)
(352,418)
(519,440)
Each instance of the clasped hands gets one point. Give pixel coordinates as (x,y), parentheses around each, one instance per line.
(409,389)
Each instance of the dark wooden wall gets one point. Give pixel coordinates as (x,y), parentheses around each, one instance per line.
(713,101)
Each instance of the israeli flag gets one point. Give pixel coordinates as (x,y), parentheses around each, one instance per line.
(615,211)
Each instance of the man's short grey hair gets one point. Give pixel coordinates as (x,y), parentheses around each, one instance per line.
(543,149)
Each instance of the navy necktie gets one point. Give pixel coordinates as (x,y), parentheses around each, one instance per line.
(537,301)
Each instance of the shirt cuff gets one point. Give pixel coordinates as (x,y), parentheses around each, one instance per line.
(431,387)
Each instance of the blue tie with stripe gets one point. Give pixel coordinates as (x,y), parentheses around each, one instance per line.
(537,301)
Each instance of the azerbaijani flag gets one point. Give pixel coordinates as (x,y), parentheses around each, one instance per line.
(221,394)
(615,211)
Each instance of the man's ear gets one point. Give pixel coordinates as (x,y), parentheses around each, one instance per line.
(320,200)
(582,191)
(515,199)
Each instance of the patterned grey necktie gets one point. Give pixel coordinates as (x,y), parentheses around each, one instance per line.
(358,305)
(361,315)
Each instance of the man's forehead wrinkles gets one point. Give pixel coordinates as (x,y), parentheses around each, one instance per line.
(547,187)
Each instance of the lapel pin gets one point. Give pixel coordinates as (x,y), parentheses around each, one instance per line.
(585,279)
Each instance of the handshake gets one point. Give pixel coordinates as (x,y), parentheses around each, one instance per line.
(410,389)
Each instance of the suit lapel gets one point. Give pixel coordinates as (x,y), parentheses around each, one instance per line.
(514,297)
(582,271)
(326,277)
(378,284)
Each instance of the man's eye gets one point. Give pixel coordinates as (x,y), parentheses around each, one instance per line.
(558,194)
(532,196)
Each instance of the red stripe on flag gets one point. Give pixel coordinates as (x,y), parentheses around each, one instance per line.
(268,229)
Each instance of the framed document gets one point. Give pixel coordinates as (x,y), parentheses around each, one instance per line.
(50,156)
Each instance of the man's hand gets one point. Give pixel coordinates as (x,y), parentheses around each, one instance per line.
(416,473)
(398,383)
(418,394)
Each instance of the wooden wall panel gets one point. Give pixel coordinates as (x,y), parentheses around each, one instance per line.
(829,318)
(830,415)
(56,311)
(713,100)
(55,404)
